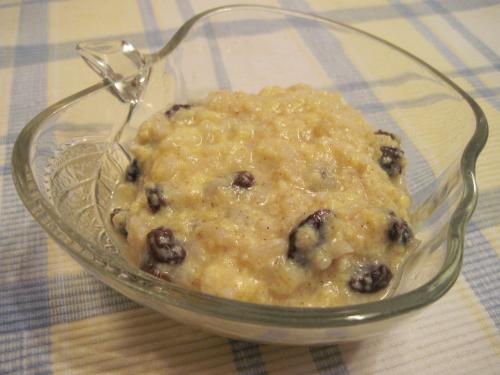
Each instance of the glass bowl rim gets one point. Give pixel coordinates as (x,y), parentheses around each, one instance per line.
(106,268)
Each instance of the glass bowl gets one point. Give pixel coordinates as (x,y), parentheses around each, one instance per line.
(67,160)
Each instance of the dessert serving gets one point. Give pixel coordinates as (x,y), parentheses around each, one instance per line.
(285,197)
(178,219)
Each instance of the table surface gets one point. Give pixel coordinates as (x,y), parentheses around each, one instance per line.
(56,318)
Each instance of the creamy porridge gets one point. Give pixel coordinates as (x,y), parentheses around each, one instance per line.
(285,197)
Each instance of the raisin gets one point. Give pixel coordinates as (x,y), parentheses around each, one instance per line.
(399,230)
(314,221)
(244,179)
(171,111)
(382,132)
(164,247)
(155,271)
(391,160)
(317,218)
(132,173)
(118,219)
(156,198)
(372,279)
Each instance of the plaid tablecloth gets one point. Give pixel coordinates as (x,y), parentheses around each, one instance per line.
(55,318)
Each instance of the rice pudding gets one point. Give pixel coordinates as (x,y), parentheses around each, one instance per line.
(284,197)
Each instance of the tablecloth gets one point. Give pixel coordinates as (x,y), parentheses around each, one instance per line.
(56,318)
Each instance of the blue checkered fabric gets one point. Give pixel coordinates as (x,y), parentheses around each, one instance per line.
(55,318)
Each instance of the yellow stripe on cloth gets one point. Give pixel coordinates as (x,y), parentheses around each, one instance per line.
(139,341)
